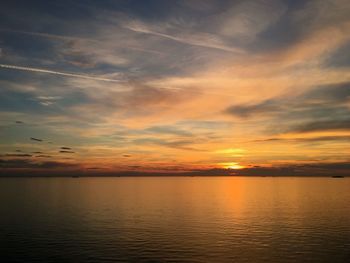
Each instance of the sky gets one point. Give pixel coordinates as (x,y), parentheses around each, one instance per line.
(197,87)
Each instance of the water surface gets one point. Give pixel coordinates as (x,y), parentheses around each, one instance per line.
(175,219)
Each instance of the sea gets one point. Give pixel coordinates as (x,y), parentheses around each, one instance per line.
(175,219)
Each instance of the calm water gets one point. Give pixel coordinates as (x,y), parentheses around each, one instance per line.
(195,219)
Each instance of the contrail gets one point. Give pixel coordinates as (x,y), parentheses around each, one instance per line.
(40,70)
(185,40)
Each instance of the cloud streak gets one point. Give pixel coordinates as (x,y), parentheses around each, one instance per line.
(65,74)
(200,40)
(323,108)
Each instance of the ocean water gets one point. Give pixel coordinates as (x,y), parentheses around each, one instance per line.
(175,219)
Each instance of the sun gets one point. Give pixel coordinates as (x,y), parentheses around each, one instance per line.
(232,165)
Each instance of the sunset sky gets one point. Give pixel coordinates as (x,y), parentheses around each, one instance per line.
(257,87)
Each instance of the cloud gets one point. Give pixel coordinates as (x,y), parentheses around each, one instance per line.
(63,151)
(177,143)
(36,139)
(137,101)
(318,96)
(340,58)
(328,125)
(26,163)
(48,100)
(18,155)
(331,93)
(302,140)
(308,169)
(319,109)
(246,19)
(168,130)
(253,110)
(196,39)
(66,148)
(43,156)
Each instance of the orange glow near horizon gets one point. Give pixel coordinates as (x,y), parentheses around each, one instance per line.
(233,166)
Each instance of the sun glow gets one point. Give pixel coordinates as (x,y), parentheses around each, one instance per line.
(232,165)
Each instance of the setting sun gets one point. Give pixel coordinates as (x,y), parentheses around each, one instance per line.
(233,165)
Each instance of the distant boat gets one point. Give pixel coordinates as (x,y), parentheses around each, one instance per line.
(337,176)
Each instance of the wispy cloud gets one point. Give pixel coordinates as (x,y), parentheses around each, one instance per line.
(198,39)
(27,163)
(47,71)
(320,109)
